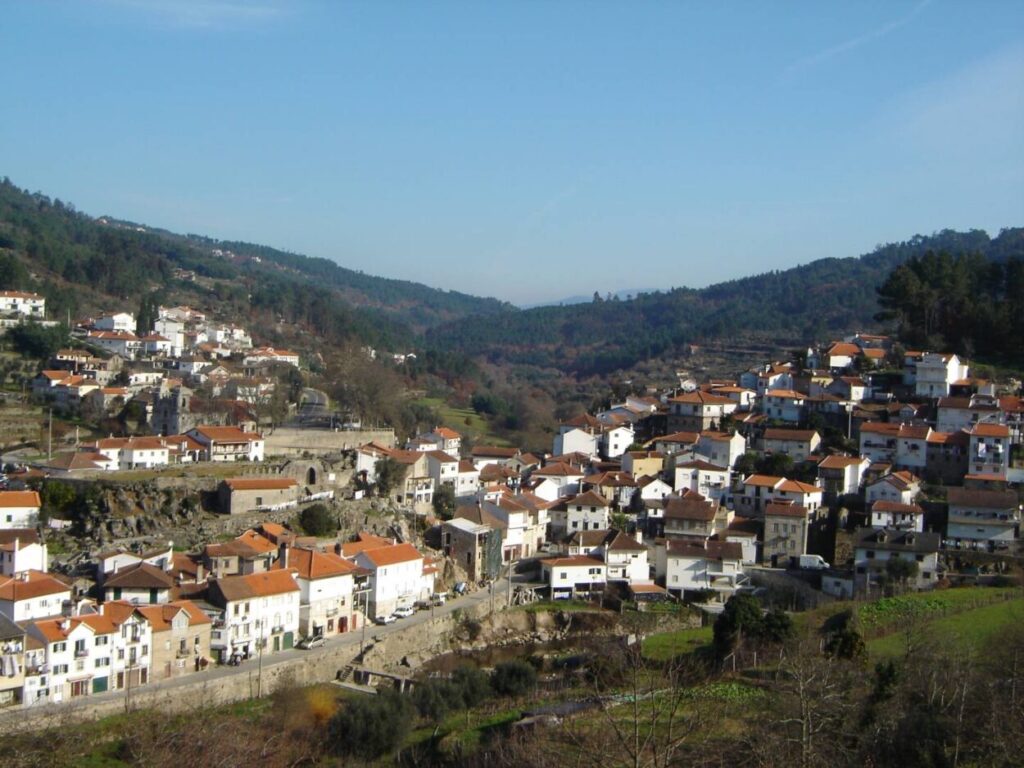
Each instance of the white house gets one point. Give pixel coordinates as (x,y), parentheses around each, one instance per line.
(901,487)
(703,477)
(32,595)
(76,658)
(21,550)
(721,448)
(694,566)
(19,509)
(228,443)
(699,411)
(586,512)
(840,475)
(892,514)
(398,578)
(982,519)
(783,405)
(22,303)
(271,355)
(616,440)
(259,610)
(443,468)
(122,343)
(936,372)
(568,577)
(327,599)
(564,476)
(872,549)
(118,321)
(989,452)
(798,444)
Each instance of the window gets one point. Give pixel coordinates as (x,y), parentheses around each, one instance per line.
(60,669)
(102,640)
(869,555)
(104,662)
(60,647)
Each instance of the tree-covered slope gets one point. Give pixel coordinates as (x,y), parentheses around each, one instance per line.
(82,264)
(803,304)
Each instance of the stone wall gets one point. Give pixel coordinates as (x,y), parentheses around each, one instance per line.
(290,441)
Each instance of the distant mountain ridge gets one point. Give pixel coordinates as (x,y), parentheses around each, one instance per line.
(811,302)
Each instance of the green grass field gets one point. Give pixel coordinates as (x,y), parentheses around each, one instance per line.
(463,420)
(968,629)
(666,645)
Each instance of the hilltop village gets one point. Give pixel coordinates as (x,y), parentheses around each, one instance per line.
(858,468)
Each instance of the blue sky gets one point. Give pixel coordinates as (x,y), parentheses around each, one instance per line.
(529,150)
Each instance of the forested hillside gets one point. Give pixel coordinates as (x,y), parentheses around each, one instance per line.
(969,304)
(82,264)
(812,302)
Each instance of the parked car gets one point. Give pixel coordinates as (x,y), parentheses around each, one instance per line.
(812,562)
(308,643)
(439,598)
(460,588)
(404,612)
(384,620)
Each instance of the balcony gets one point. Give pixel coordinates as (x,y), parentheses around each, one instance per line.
(81,653)
(182,653)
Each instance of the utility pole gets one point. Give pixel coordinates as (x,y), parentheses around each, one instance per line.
(259,669)
(49,437)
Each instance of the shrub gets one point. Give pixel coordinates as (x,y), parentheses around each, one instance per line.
(317,520)
(513,678)
(434,699)
(370,727)
(471,685)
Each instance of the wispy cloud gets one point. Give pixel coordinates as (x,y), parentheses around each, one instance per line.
(203,14)
(855,42)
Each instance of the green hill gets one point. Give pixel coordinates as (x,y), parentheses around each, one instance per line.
(812,302)
(83,264)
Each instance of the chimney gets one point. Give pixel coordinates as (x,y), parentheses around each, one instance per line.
(282,554)
(199,571)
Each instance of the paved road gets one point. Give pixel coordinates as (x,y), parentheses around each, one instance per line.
(313,407)
(349,639)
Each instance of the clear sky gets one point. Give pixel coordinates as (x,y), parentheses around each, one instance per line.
(524,149)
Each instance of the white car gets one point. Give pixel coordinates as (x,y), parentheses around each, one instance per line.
(384,620)
(403,613)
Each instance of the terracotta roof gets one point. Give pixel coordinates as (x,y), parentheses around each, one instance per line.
(690,509)
(139,576)
(557,469)
(765,481)
(29,585)
(785,394)
(11,499)
(795,486)
(991,430)
(260,483)
(894,506)
(311,564)
(711,549)
(678,437)
(702,398)
(58,629)
(790,434)
(966,497)
(843,349)
(577,561)
(588,499)
(900,541)
(623,542)
(24,537)
(227,434)
(782,509)
(277,582)
(839,462)
(396,553)
(493,452)
(364,541)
